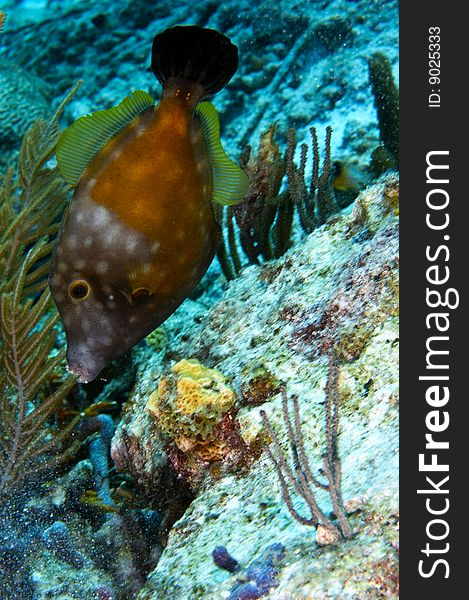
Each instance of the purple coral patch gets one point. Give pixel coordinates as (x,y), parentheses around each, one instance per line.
(245,591)
(223,559)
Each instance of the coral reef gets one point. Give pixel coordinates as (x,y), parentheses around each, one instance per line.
(301,278)
(316,202)
(31,102)
(264,218)
(57,539)
(195,409)
(298,62)
(349,262)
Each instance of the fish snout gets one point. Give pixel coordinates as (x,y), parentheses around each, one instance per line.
(82,364)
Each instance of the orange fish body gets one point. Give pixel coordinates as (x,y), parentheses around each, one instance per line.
(140,231)
(161,163)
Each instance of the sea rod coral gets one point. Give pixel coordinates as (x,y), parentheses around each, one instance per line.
(301,476)
(261,224)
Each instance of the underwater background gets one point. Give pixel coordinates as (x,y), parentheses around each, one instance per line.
(248,448)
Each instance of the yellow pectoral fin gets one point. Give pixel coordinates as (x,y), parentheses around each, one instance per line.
(230,182)
(136,294)
(141,283)
(80,142)
(140,292)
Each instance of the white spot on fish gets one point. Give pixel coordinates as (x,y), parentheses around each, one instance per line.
(100,217)
(116,154)
(82,349)
(79,217)
(101,267)
(91,183)
(112,235)
(106,340)
(146,268)
(80,264)
(63,267)
(87,242)
(133,319)
(155,247)
(140,130)
(111,297)
(71,242)
(56,279)
(131,244)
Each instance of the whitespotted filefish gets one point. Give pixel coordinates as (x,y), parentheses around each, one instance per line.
(140,231)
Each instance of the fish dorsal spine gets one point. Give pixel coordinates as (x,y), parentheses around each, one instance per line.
(230,182)
(83,139)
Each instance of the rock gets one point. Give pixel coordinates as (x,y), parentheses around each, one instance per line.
(346,283)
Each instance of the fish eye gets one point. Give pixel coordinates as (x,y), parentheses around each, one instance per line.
(140,292)
(79,289)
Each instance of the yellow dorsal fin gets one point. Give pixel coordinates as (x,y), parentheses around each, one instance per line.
(3,17)
(230,182)
(80,142)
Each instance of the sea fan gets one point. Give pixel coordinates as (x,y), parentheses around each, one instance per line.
(31,387)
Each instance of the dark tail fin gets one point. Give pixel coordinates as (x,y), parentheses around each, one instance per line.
(195,54)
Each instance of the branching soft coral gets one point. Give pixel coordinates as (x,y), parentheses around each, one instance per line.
(31,201)
(300,477)
(261,225)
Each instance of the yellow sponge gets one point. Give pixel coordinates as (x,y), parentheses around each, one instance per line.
(189,403)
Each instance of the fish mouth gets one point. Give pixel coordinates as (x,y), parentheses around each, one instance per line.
(82,375)
(82,363)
